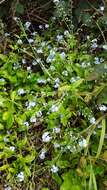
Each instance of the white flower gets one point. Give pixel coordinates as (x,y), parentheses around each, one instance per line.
(30,40)
(6,139)
(73,149)
(6,34)
(52,68)
(62,55)
(92,120)
(19,41)
(94,45)
(54,169)
(21,91)
(57,80)
(102,108)
(97,60)
(105,66)
(51,56)
(33,119)
(102,8)
(39,114)
(32,104)
(8,188)
(34,33)
(101,60)
(2,80)
(56,130)
(46,137)
(66,33)
(99,126)
(24,61)
(88,37)
(49,46)
(43,43)
(26,124)
(34,62)
(83,143)
(41,81)
(48,79)
(59,37)
(56,1)
(20,176)
(12,148)
(42,154)
(41,26)
(27,25)
(69,147)
(39,50)
(46,25)
(54,108)
(105,46)
(56,145)
(83,64)
(65,73)
(72,79)
(29,68)
(94,133)
(53,18)
(56,85)
(94,40)
(16,19)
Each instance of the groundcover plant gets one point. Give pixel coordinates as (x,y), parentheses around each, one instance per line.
(53,110)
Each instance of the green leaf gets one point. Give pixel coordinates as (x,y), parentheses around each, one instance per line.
(22,143)
(1,127)
(9,118)
(29,158)
(57,178)
(101,138)
(19,8)
(1,100)
(4,167)
(72,87)
(13,95)
(104,155)
(62,163)
(71,182)
(3,57)
(27,171)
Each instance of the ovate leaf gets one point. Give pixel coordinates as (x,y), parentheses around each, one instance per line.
(9,118)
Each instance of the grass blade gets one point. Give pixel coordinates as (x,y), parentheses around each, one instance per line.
(101,138)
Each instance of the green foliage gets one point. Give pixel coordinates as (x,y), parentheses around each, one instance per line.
(53,110)
(71,182)
(19,8)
